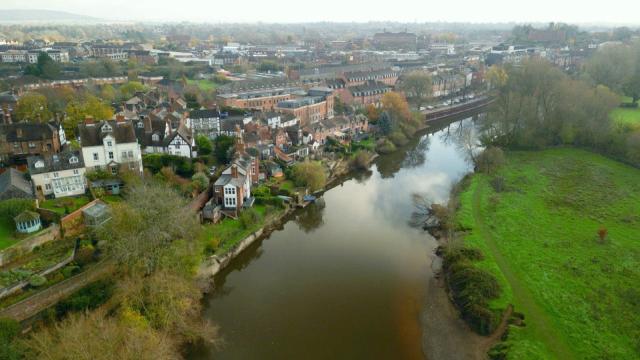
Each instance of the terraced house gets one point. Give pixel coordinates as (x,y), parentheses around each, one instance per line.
(109,145)
(58,175)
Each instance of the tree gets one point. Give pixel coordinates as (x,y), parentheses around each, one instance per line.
(78,109)
(108,93)
(396,106)
(33,107)
(372,112)
(496,77)
(490,160)
(45,68)
(200,181)
(613,66)
(384,124)
(224,148)
(129,89)
(417,86)
(310,174)
(143,227)
(204,145)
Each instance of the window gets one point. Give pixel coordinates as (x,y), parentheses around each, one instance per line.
(130,153)
(32,145)
(110,155)
(95,156)
(114,170)
(75,171)
(55,174)
(73,160)
(109,143)
(47,186)
(124,154)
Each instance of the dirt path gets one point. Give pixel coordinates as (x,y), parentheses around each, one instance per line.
(538,319)
(42,300)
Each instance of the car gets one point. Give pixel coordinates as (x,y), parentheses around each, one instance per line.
(430,107)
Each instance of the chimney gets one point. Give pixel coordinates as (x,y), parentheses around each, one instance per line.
(88,120)
(119,119)
(234,171)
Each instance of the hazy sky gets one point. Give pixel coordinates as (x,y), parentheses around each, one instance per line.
(573,11)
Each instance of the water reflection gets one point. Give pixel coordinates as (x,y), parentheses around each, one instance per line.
(311,218)
(342,282)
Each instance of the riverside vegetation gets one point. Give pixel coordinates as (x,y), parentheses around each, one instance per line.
(549,227)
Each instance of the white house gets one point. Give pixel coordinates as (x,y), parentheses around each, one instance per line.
(109,145)
(180,143)
(58,175)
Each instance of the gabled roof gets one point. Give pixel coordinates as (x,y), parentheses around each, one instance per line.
(204,114)
(57,162)
(27,131)
(93,134)
(14,179)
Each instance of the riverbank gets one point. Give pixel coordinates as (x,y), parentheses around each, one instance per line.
(558,229)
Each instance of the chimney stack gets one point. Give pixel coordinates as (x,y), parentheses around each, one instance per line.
(120,119)
(88,120)
(234,171)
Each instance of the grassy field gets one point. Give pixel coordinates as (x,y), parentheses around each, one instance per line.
(204,85)
(626,115)
(540,237)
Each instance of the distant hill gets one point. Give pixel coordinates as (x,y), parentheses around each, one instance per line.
(43,16)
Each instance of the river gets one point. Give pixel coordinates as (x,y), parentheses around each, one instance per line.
(352,279)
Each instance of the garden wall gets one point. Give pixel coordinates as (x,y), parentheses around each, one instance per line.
(27,245)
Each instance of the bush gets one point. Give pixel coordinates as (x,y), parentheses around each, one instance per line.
(180,165)
(261,191)
(85,255)
(398,138)
(490,160)
(248,218)
(360,161)
(13,207)
(37,281)
(270,200)
(9,329)
(70,270)
(87,298)
(385,146)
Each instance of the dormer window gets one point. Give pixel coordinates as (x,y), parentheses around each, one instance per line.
(155,137)
(73,160)
(39,164)
(107,128)
(140,125)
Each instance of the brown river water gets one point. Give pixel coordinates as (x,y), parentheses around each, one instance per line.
(352,279)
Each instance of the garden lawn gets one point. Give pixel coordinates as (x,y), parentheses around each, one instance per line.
(73,204)
(6,234)
(229,232)
(626,116)
(580,296)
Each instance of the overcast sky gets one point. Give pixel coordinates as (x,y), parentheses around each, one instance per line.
(572,11)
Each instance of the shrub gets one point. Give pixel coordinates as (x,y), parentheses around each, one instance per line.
(360,160)
(13,207)
(9,329)
(70,270)
(261,191)
(87,298)
(490,160)
(385,146)
(398,138)
(498,184)
(248,218)
(85,255)
(37,281)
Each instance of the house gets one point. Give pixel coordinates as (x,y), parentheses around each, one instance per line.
(58,175)
(28,222)
(204,122)
(14,185)
(233,189)
(21,140)
(110,145)
(180,143)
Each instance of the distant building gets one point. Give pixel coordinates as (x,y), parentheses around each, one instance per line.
(395,41)
(204,122)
